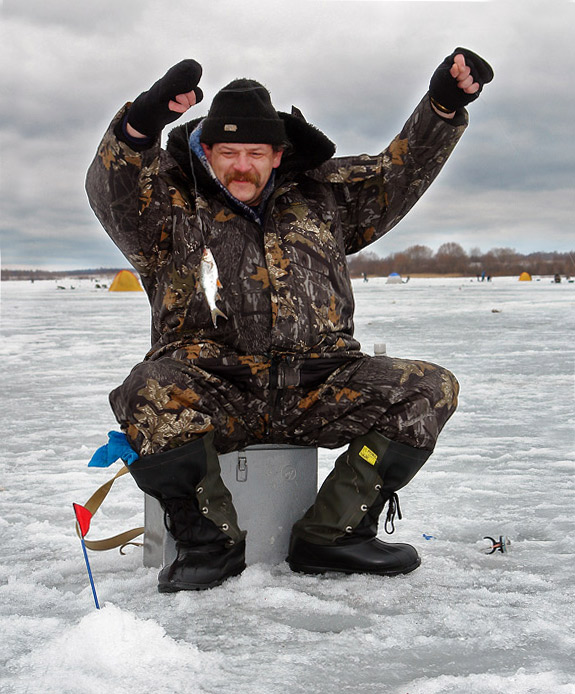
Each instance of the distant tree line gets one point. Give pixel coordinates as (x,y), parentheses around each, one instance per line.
(449,259)
(452,259)
(58,274)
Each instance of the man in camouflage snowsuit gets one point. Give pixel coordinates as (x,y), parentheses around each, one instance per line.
(263,192)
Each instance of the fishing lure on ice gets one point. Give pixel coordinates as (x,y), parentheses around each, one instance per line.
(210,284)
(500,545)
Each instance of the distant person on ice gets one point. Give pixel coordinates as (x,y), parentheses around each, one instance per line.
(240,231)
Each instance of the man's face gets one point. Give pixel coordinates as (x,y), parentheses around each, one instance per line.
(244,169)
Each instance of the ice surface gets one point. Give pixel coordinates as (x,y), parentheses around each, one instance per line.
(464,622)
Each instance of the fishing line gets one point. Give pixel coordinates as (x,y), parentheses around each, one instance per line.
(195,182)
(205,253)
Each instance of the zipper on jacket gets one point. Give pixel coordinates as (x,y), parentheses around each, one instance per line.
(274,370)
(274,393)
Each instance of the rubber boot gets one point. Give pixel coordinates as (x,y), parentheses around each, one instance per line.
(198,513)
(338,533)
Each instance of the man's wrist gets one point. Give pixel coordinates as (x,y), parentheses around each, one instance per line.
(441,110)
(137,143)
(132,132)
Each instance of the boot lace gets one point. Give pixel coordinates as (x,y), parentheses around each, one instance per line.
(180,517)
(186,524)
(393,509)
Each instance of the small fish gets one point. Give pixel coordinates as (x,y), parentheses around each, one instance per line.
(210,283)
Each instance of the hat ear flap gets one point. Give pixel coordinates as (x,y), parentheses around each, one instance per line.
(309,146)
(297,113)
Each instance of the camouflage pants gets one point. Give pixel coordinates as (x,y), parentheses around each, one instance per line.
(170,401)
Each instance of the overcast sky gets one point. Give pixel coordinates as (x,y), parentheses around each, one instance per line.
(355,68)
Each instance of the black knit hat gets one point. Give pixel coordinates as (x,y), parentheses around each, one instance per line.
(243,112)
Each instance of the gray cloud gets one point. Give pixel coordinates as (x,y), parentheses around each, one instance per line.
(81,19)
(356,69)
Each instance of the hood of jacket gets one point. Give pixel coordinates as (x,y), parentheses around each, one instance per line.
(309,148)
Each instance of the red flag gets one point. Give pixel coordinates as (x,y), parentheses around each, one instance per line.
(83,517)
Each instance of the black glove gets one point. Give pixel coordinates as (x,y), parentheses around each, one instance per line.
(443,87)
(149,113)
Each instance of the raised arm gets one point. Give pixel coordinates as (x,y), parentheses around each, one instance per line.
(375,192)
(123,178)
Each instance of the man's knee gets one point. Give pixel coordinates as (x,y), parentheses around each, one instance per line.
(448,390)
(159,409)
(422,398)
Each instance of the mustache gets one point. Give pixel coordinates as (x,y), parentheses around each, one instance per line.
(250,177)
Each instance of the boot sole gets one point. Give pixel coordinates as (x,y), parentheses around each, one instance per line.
(317,570)
(175,587)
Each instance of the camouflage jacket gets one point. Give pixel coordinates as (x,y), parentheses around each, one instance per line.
(285,284)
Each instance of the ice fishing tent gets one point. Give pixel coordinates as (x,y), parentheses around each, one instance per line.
(125,281)
(525,277)
(394,278)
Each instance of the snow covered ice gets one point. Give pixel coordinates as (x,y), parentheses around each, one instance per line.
(464,622)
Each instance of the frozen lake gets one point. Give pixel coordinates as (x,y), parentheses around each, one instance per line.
(464,622)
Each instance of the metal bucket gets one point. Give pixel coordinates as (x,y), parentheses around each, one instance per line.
(272,486)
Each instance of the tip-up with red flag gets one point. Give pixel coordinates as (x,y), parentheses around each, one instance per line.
(83,516)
